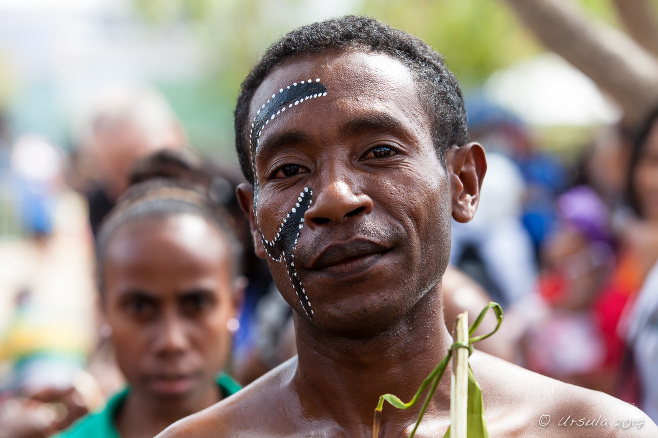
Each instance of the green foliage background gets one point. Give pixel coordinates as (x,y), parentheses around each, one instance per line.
(476,37)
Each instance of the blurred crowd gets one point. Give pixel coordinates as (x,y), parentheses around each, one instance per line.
(98,238)
(569,247)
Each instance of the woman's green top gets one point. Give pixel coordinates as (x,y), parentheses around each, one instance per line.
(101,424)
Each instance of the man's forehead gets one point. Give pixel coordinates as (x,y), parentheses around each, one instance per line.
(351,73)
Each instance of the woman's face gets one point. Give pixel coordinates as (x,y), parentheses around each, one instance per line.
(168,295)
(645,177)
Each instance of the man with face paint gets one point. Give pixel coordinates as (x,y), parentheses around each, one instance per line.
(353,138)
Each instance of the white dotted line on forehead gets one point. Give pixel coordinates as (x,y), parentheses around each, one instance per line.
(281,109)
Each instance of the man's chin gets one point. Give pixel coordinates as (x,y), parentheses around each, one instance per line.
(357,317)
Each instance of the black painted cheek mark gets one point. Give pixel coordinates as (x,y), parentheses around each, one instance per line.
(281,248)
(285,241)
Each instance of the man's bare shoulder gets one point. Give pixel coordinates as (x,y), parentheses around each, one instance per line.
(266,407)
(518,402)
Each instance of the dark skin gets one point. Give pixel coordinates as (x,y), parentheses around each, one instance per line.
(168,294)
(26,419)
(460,293)
(378,324)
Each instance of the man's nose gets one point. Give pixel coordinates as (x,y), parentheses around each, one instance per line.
(171,339)
(335,200)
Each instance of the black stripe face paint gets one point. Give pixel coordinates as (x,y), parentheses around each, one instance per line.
(281,247)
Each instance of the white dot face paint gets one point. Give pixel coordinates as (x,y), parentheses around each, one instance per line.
(281,248)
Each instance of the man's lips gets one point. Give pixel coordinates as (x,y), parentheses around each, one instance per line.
(352,255)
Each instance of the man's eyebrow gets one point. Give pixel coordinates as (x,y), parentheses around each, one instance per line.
(271,143)
(374,122)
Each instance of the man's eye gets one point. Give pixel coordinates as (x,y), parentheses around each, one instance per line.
(287,170)
(382,151)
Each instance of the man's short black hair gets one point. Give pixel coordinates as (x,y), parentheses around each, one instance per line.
(439,91)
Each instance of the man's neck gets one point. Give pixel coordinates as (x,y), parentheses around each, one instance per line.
(394,361)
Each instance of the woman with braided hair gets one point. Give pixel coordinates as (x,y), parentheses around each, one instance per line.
(169,283)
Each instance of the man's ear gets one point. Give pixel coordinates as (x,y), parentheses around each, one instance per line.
(466,166)
(245,192)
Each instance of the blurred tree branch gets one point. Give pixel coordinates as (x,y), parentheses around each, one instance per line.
(614,61)
(476,37)
(639,18)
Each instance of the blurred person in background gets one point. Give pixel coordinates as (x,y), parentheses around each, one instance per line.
(635,225)
(47,389)
(639,232)
(221,182)
(42,413)
(640,329)
(495,249)
(602,165)
(38,180)
(639,324)
(566,342)
(124,124)
(44,338)
(168,276)
(542,171)
(248,338)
